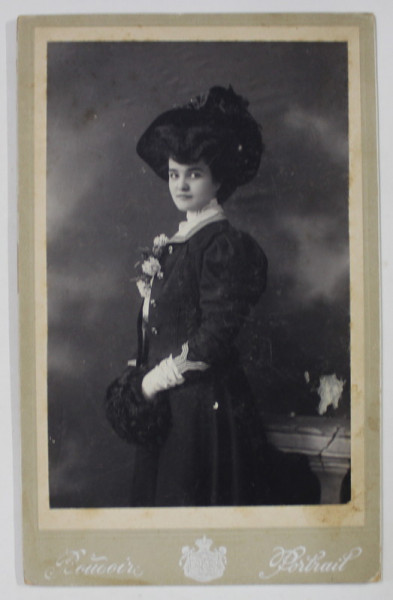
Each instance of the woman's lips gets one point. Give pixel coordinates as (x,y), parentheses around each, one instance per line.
(183,196)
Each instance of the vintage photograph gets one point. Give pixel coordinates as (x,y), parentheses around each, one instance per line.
(201,315)
(198,257)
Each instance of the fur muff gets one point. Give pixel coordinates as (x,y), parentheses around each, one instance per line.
(133,418)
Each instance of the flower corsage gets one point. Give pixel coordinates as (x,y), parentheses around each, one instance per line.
(149,266)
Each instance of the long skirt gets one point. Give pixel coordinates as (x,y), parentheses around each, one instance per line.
(213,455)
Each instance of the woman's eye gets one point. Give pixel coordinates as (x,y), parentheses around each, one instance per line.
(172,175)
(195,175)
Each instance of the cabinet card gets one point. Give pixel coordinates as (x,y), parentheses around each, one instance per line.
(286,491)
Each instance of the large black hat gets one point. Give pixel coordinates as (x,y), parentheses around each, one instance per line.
(216,127)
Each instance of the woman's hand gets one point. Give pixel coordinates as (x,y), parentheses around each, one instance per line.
(163,377)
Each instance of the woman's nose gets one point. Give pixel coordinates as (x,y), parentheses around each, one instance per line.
(183,183)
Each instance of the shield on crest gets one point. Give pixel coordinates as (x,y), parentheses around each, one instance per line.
(201,563)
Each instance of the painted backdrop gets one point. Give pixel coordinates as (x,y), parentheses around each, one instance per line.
(103,204)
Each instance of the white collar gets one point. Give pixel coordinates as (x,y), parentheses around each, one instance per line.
(196,220)
(207,211)
(210,213)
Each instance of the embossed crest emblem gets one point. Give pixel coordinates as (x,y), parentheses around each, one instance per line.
(201,563)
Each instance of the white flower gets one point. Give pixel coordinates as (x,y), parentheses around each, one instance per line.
(160,241)
(143,287)
(151,266)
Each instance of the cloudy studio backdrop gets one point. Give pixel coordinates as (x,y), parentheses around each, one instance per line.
(103,204)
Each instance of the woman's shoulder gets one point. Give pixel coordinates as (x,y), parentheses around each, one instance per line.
(224,237)
(227,252)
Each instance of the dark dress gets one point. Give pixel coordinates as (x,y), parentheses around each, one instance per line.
(210,282)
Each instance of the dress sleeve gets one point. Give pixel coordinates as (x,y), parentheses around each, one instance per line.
(232,278)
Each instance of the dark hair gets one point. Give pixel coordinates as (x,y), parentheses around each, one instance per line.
(215,127)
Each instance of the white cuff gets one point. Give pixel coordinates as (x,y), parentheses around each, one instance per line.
(184,365)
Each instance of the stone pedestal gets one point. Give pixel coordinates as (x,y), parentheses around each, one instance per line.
(325,441)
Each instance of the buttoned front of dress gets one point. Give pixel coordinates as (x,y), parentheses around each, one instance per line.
(168,295)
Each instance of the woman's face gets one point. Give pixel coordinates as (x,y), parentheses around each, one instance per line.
(191,186)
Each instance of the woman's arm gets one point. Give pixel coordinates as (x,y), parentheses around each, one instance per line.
(232,278)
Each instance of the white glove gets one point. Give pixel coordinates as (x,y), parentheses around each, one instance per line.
(163,377)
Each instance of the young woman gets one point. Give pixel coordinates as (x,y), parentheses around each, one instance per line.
(198,288)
